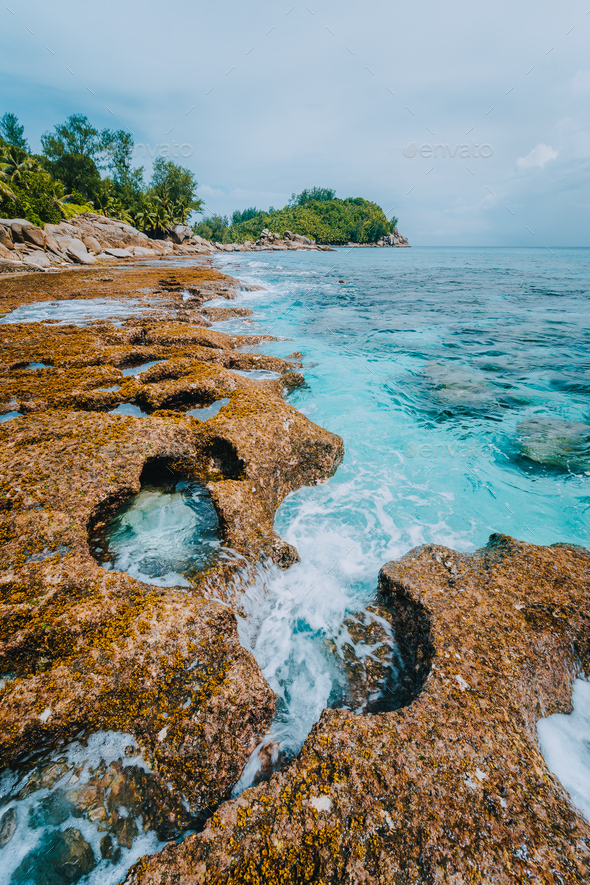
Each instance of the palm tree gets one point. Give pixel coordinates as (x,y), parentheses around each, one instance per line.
(162,216)
(145,217)
(181,211)
(5,192)
(14,161)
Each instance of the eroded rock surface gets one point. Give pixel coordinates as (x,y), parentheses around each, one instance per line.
(451,788)
(90,650)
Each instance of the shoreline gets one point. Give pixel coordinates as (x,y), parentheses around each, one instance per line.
(89,239)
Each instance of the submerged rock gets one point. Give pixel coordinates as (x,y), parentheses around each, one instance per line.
(457,386)
(367,651)
(8,825)
(58,859)
(555,443)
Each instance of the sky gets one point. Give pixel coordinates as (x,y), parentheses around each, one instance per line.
(262,100)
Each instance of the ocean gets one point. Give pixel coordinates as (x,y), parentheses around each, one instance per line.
(459,380)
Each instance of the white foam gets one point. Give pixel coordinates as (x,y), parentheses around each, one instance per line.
(564,740)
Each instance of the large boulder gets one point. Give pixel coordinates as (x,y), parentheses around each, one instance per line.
(8,266)
(180,233)
(16,226)
(200,241)
(6,236)
(76,250)
(118,253)
(34,235)
(52,245)
(92,244)
(39,259)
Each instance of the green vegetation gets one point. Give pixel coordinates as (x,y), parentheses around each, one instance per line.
(81,169)
(316,213)
(65,179)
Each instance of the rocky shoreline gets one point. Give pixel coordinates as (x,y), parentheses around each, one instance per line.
(445,784)
(89,238)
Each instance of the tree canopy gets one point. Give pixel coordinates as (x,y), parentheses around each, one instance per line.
(12,132)
(69,176)
(316,213)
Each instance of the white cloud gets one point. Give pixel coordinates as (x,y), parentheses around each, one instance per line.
(537,157)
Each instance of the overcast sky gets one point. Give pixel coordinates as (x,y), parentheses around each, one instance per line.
(274,97)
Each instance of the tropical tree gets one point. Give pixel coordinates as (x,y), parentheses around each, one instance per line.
(172,184)
(6,192)
(73,150)
(14,161)
(145,217)
(309,195)
(12,132)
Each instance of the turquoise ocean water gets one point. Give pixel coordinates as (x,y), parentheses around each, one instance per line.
(459,380)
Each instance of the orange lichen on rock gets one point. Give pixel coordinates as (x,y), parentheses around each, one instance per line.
(91,649)
(451,788)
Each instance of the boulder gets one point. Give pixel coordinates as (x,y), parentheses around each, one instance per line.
(52,244)
(92,244)
(17,230)
(80,257)
(8,266)
(180,233)
(34,235)
(39,259)
(118,253)
(6,236)
(76,250)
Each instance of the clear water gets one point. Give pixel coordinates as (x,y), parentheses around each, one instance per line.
(202,413)
(128,409)
(163,535)
(137,370)
(8,416)
(79,311)
(73,791)
(460,383)
(459,380)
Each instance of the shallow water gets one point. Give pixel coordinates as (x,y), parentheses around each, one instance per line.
(79,311)
(54,799)
(202,413)
(162,535)
(435,366)
(137,370)
(128,409)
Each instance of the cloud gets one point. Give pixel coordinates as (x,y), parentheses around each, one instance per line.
(537,157)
